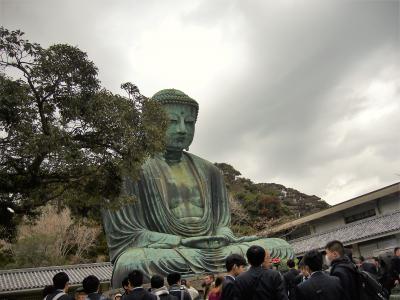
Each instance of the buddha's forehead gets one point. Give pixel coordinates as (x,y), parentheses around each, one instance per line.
(180,109)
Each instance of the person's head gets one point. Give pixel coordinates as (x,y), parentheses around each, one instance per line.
(290,263)
(182,113)
(218,281)
(349,254)
(334,250)
(173,278)
(184,282)
(369,267)
(80,294)
(209,278)
(135,278)
(255,255)
(312,261)
(376,261)
(397,251)
(235,264)
(302,267)
(118,296)
(157,281)
(91,284)
(61,281)
(125,284)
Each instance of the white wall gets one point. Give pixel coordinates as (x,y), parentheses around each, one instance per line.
(328,223)
(389,204)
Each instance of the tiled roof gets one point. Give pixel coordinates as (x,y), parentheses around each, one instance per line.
(393,189)
(33,278)
(350,233)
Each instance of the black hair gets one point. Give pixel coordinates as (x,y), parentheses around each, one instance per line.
(60,280)
(91,284)
(125,282)
(157,281)
(234,259)
(290,263)
(349,253)
(173,278)
(336,246)
(313,259)
(219,281)
(370,268)
(395,250)
(255,255)
(135,278)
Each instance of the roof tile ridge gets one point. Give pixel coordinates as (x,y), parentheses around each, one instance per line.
(50,268)
(376,217)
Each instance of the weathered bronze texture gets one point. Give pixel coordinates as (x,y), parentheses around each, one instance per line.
(180,221)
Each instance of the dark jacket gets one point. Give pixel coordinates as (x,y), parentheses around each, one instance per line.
(259,284)
(395,267)
(64,297)
(320,286)
(228,288)
(392,274)
(139,294)
(163,294)
(97,296)
(179,292)
(291,280)
(346,272)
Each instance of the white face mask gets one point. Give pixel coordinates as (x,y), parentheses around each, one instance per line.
(328,261)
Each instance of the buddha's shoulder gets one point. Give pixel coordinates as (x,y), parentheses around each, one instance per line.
(197,160)
(202,162)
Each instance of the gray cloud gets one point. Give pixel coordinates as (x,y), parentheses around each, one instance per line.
(302,93)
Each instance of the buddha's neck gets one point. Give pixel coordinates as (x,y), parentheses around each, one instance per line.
(173,156)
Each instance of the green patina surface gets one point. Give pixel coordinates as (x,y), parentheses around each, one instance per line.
(181,220)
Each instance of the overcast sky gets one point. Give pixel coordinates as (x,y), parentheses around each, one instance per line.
(301,93)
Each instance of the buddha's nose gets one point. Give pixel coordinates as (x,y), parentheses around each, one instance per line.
(182,126)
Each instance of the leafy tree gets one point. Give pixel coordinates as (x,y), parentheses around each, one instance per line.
(229,172)
(62,137)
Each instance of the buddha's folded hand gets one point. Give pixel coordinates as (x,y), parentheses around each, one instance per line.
(162,240)
(206,242)
(245,239)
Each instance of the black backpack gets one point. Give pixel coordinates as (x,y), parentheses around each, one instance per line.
(369,288)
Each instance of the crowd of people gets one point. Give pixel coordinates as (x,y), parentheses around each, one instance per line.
(338,276)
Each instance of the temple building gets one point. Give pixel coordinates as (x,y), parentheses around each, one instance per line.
(369,225)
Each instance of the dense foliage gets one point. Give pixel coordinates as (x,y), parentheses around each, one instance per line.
(63,137)
(256,207)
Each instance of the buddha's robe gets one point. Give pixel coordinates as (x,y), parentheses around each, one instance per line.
(169,209)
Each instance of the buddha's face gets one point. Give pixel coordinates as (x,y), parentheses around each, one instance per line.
(180,132)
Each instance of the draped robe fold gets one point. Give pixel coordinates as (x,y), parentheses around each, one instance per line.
(138,234)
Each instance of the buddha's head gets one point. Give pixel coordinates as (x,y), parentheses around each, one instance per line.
(182,113)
